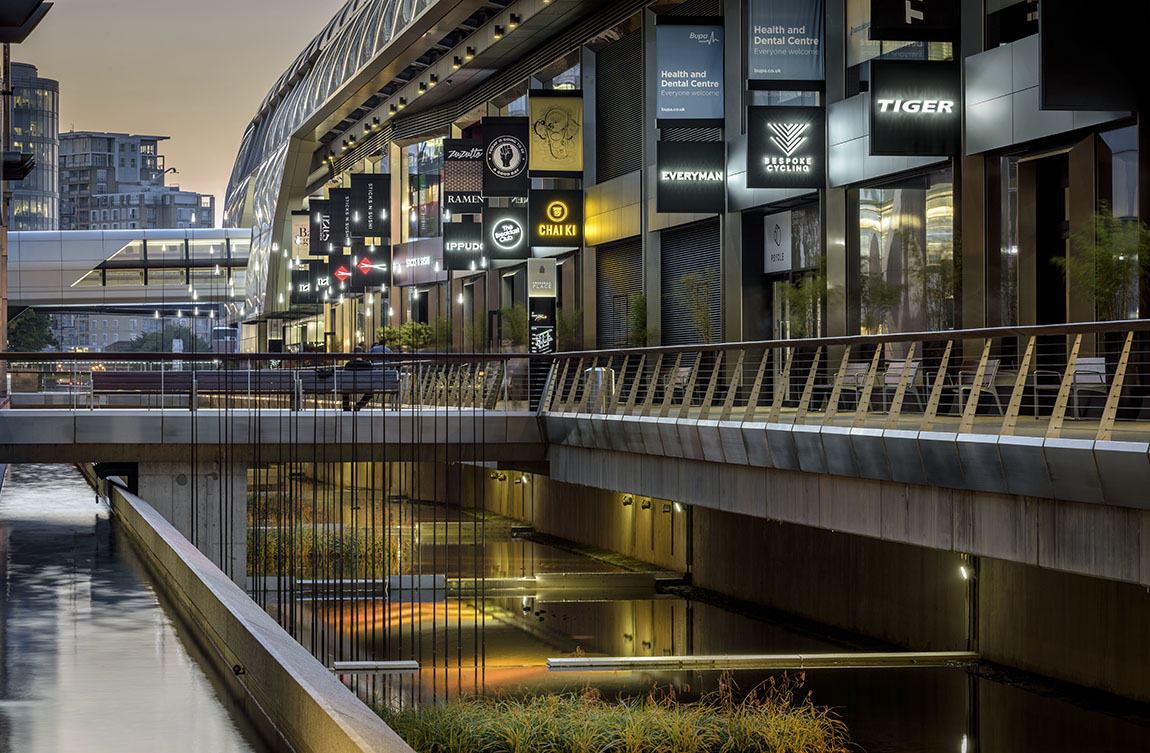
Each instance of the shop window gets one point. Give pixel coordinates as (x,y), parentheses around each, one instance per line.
(906,255)
(424,173)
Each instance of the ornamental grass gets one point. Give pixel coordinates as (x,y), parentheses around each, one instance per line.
(776,717)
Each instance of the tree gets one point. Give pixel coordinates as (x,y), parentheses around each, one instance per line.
(696,289)
(1106,263)
(569,328)
(475,335)
(30,332)
(878,299)
(161,341)
(514,324)
(934,283)
(638,335)
(804,299)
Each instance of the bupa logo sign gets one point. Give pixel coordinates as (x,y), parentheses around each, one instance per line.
(704,37)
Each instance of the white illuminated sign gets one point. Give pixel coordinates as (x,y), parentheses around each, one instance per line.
(937,106)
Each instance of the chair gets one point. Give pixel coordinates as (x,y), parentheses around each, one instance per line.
(893,376)
(966,378)
(1089,375)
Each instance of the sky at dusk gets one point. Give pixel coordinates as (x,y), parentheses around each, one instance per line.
(194,70)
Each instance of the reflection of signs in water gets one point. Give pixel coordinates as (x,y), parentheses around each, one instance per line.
(558,128)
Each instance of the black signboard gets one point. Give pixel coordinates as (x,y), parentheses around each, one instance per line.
(370,196)
(340,199)
(914,20)
(322,288)
(557,218)
(786,147)
(505,157)
(369,269)
(1091,54)
(915,108)
(319,236)
(463,246)
(463,176)
(339,268)
(505,234)
(691,176)
(302,290)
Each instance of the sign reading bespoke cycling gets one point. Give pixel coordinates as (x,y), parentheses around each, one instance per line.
(785,44)
(463,175)
(505,234)
(692,176)
(463,246)
(556,218)
(505,157)
(690,62)
(914,20)
(786,147)
(915,108)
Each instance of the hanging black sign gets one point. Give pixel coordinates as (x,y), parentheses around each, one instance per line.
(340,199)
(505,234)
(370,196)
(556,218)
(463,175)
(1091,57)
(786,147)
(505,157)
(370,269)
(541,324)
(691,176)
(302,291)
(785,44)
(322,288)
(319,235)
(914,20)
(339,269)
(915,108)
(463,246)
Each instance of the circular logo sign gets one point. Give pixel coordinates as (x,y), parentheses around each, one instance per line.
(508,234)
(506,157)
(557,211)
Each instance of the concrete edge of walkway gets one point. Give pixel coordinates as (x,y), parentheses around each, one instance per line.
(300,697)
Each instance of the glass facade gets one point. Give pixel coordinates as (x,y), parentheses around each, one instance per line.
(906,254)
(424,175)
(35,130)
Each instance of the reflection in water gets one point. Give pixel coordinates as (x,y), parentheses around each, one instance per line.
(88,659)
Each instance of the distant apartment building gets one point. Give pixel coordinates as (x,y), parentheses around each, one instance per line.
(35,201)
(116,181)
(112,332)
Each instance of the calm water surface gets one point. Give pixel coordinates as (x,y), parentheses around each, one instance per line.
(89,661)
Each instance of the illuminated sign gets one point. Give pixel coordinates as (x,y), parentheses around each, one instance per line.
(319,241)
(541,278)
(689,59)
(786,147)
(463,246)
(915,108)
(785,43)
(692,176)
(777,254)
(556,135)
(463,175)
(505,157)
(370,195)
(505,233)
(340,199)
(557,218)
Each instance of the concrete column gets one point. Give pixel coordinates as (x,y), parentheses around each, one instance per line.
(207,503)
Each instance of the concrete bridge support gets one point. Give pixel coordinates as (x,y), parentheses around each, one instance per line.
(207,502)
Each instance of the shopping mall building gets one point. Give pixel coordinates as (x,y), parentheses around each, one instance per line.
(727,169)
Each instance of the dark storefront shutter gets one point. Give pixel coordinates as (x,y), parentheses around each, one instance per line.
(690,134)
(695,8)
(693,248)
(618,276)
(619,108)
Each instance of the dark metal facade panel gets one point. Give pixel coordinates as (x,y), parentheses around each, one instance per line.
(618,276)
(619,108)
(692,249)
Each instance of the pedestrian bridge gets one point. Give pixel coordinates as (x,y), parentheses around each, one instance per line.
(1027,444)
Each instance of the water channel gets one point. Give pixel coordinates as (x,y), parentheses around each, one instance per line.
(496,638)
(89,659)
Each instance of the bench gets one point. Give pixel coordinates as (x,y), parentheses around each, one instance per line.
(295,383)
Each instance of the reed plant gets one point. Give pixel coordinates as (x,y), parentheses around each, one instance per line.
(776,717)
(304,551)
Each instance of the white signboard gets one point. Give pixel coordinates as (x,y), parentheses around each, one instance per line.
(777,249)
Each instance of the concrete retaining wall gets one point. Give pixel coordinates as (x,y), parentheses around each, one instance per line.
(270,673)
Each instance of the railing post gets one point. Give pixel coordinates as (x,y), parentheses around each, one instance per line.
(732,388)
(782,387)
(936,388)
(1054,429)
(630,404)
(685,408)
(753,398)
(837,388)
(619,387)
(900,391)
(971,409)
(669,387)
(649,398)
(705,408)
(809,387)
(864,396)
(1110,412)
(1010,420)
